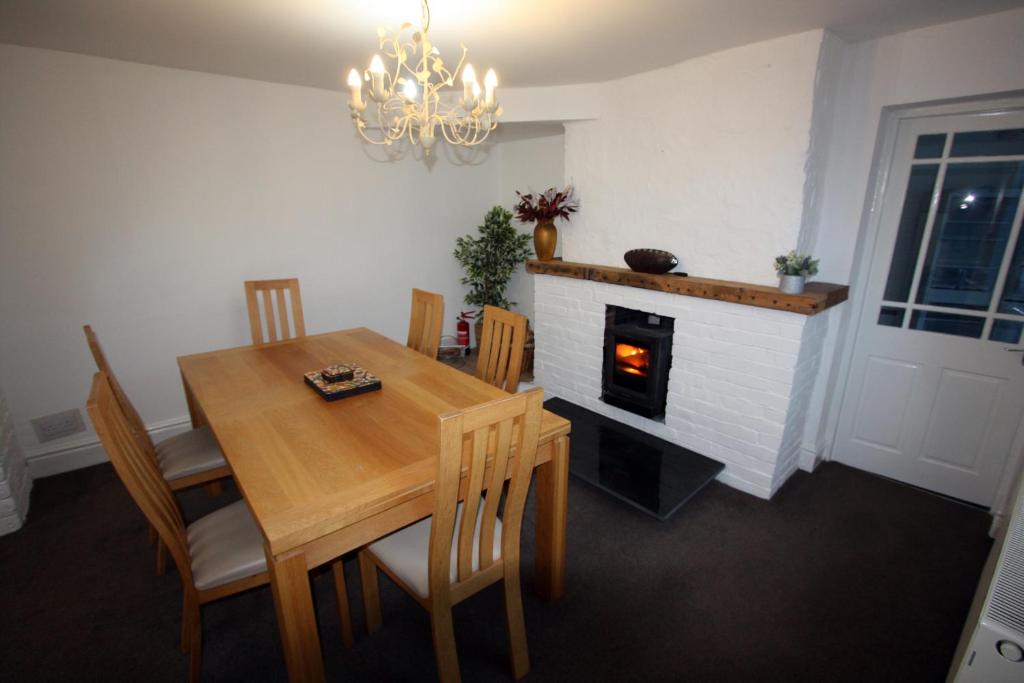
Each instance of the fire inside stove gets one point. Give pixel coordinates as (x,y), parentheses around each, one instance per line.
(632,360)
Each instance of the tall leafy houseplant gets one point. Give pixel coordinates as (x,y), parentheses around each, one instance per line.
(490,259)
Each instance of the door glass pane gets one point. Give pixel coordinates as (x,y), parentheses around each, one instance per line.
(969,236)
(1006,331)
(947,323)
(891,317)
(1013,290)
(908,239)
(930,146)
(985,143)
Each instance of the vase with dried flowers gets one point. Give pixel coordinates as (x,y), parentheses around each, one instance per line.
(544,208)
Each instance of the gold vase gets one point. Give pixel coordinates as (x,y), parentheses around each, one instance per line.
(545,237)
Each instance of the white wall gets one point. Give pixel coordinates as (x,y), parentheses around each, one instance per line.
(965,59)
(532,163)
(704,159)
(138,198)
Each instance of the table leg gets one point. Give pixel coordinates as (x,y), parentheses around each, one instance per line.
(198,420)
(293,600)
(552,498)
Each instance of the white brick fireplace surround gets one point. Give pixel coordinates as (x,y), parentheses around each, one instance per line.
(741,377)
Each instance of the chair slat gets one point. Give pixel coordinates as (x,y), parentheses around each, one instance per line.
(494,486)
(282,312)
(471,504)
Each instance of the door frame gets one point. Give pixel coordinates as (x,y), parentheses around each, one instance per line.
(867,236)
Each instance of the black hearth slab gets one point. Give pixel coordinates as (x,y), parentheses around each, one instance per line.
(647,472)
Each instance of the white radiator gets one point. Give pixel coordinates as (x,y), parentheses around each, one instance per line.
(994,652)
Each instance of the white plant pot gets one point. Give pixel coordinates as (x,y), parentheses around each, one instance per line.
(792,284)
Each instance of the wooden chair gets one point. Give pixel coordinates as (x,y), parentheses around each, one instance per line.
(465,547)
(184,460)
(274,293)
(501,348)
(217,555)
(425,322)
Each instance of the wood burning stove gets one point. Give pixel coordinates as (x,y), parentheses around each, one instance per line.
(637,357)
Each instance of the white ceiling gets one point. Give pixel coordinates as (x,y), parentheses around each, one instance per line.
(529,42)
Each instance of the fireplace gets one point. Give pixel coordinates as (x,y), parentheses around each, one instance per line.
(637,358)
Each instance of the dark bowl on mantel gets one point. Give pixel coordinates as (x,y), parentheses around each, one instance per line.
(650,260)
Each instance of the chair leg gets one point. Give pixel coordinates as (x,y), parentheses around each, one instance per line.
(214,489)
(195,642)
(518,651)
(192,634)
(344,614)
(161,558)
(444,644)
(153,538)
(186,625)
(371,591)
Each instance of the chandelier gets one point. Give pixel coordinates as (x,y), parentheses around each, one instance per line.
(407,94)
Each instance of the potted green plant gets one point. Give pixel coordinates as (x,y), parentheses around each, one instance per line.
(490,259)
(793,270)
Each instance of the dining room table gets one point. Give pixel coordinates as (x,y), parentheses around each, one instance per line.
(323,478)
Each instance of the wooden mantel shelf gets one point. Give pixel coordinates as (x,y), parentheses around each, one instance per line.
(816,297)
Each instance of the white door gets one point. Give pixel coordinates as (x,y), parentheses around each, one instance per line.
(936,387)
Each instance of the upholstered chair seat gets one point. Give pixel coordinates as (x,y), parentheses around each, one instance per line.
(189,453)
(225,545)
(406,551)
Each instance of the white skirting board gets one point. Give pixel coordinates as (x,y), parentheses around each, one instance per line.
(74,454)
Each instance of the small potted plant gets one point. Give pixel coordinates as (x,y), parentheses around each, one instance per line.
(544,209)
(793,270)
(490,260)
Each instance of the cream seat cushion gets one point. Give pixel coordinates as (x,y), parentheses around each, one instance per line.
(225,545)
(190,453)
(406,551)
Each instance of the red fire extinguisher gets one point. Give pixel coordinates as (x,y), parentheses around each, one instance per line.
(462,329)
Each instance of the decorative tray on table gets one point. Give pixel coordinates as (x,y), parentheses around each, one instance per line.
(341,381)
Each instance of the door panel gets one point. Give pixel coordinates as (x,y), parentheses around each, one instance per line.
(881,413)
(961,417)
(934,396)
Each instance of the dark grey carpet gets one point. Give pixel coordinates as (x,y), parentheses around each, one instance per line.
(843,577)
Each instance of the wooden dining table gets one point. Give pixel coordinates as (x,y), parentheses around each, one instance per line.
(324,478)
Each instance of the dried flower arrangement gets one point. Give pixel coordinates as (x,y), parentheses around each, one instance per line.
(547,206)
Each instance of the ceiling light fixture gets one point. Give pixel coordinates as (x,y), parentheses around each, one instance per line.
(404,111)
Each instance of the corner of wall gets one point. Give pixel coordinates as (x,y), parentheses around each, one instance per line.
(15,480)
(826,88)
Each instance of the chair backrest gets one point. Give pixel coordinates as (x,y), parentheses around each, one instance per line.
(273,293)
(103,366)
(425,322)
(135,464)
(501,348)
(500,433)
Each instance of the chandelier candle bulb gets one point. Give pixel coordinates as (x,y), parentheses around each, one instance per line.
(377,74)
(490,83)
(356,85)
(468,83)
